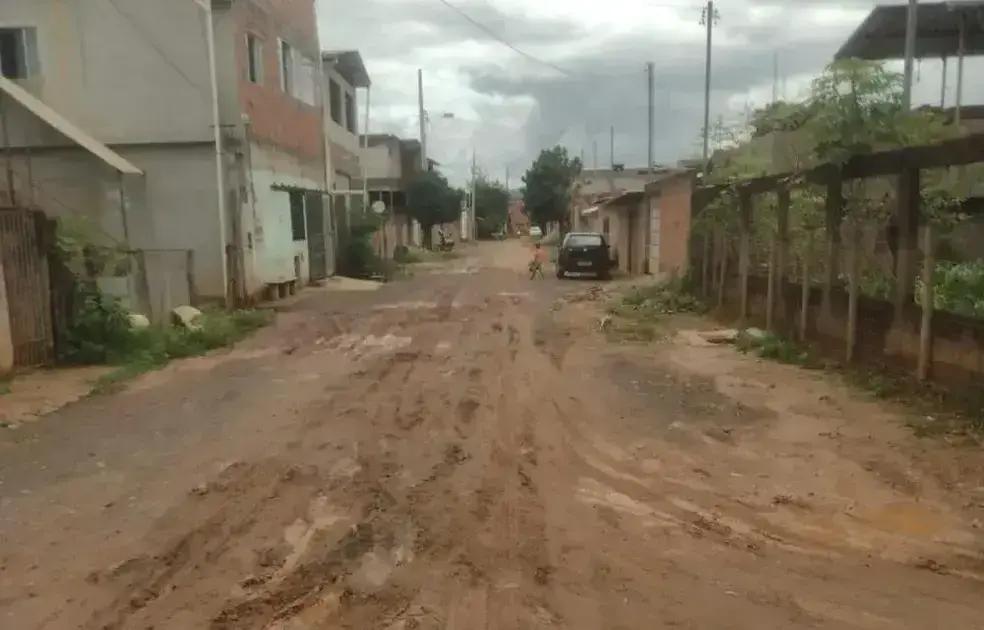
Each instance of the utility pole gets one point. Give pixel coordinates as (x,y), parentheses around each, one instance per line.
(423,121)
(775,76)
(708,20)
(473,221)
(650,71)
(613,147)
(595,162)
(912,24)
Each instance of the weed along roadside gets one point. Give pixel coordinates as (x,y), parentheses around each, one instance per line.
(647,314)
(135,351)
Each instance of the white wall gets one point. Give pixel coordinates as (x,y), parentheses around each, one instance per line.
(274,246)
(134,72)
(383,161)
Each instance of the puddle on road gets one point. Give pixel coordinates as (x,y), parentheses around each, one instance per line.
(909,519)
(406,306)
(358,347)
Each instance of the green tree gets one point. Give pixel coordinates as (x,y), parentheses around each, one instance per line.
(548,186)
(432,201)
(856,107)
(491,206)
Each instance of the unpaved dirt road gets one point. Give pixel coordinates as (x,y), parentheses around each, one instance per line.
(465,450)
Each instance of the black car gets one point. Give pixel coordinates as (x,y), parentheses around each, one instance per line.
(585,252)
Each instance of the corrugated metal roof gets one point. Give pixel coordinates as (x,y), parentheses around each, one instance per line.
(67,128)
(882,34)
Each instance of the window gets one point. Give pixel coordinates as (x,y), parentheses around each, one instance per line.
(584,240)
(305,80)
(19,53)
(350,121)
(298,229)
(335,99)
(286,67)
(254,53)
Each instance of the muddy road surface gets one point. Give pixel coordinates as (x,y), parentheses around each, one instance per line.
(467,450)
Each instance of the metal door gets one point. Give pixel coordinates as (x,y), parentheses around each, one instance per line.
(316,235)
(25,271)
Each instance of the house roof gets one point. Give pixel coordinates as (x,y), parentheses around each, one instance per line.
(882,34)
(65,127)
(350,65)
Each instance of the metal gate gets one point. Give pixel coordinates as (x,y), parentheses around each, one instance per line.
(316,235)
(25,271)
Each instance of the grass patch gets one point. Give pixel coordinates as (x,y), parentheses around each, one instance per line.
(936,411)
(149,349)
(775,348)
(4,387)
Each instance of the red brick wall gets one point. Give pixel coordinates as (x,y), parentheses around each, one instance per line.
(675,225)
(278,118)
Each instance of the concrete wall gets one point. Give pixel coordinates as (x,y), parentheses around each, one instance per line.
(132,72)
(596,182)
(383,160)
(173,207)
(339,133)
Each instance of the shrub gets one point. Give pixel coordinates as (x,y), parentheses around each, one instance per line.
(662,299)
(99,331)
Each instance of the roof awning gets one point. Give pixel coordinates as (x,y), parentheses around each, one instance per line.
(350,65)
(590,211)
(67,128)
(882,34)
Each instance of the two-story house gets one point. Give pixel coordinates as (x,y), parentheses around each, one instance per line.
(185,126)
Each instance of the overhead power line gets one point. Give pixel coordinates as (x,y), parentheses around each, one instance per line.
(491,33)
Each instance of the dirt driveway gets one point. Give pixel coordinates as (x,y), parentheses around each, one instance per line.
(466,450)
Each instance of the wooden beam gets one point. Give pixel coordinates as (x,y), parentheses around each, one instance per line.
(745,201)
(853,289)
(782,246)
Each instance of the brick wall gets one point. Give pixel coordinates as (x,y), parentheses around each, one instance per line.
(674,204)
(278,118)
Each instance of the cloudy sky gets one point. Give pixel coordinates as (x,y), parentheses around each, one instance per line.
(584,70)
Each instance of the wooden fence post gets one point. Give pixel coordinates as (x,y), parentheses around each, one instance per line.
(723,279)
(805,295)
(770,295)
(6,334)
(907,222)
(833,219)
(705,282)
(853,289)
(928,305)
(744,245)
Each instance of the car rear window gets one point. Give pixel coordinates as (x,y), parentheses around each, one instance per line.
(584,240)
